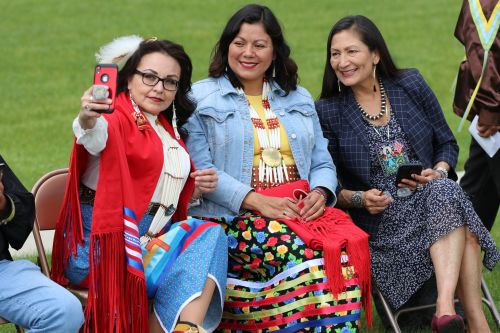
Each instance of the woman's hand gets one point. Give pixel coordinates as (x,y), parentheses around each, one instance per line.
(375,201)
(314,206)
(426,176)
(88,106)
(205,181)
(271,207)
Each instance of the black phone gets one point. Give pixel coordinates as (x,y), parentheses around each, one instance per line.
(406,170)
(105,75)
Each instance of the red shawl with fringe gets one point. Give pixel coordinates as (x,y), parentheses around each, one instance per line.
(332,232)
(129,170)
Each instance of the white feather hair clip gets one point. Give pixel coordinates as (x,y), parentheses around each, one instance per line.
(119,50)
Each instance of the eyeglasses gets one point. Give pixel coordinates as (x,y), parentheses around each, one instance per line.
(152,80)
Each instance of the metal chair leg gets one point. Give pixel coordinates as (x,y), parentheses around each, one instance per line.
(488,300)
(388,311)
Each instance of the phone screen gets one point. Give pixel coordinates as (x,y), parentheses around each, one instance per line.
(406,170)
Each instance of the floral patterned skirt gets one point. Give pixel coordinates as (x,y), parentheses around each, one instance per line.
(276,283)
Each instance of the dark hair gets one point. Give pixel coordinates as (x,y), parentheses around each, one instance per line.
(371,37)
(285,68)
(183,105)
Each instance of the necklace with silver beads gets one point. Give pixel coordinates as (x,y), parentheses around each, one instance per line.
(383,106)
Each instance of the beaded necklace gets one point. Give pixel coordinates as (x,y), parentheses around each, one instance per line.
(272,167)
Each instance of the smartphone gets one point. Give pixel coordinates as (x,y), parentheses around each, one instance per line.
(106,75)
(406,170)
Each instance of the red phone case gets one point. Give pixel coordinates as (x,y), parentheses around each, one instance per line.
(107,74)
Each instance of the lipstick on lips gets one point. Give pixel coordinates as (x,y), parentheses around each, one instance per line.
(248,65)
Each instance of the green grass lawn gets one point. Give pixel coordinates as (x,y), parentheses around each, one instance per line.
(48,49)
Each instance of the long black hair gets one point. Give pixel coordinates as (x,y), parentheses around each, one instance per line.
(371,37)
(284,66)
(183,105)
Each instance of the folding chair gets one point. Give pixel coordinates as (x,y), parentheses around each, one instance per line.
(49,194)
(393,316)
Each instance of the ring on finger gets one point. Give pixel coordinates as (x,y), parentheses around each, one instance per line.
(284,212)
(86,107)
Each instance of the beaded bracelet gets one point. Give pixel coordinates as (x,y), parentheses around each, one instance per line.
(321,191)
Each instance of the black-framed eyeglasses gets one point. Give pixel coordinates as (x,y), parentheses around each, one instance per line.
(152,80)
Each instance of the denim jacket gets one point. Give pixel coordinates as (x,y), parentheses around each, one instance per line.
(221,137)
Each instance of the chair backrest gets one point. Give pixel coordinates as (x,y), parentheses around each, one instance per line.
(49,194)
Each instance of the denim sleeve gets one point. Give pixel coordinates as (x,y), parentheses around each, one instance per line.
(229,192)
(323,172)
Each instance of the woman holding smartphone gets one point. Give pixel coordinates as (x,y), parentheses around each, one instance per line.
(378,118)
(131,180)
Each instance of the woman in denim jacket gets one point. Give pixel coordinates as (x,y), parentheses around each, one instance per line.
(259,129)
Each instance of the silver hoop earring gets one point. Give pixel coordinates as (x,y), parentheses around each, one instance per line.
(274,70)
(374,78)
(338,82)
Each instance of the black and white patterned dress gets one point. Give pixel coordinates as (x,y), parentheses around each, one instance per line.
(401,261)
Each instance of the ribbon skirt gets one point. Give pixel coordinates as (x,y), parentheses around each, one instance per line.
(276,283)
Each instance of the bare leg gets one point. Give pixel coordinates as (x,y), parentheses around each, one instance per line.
(446,256)
(195,311)
(469,286)
(154,324)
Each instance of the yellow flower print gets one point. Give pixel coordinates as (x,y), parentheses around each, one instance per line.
(269,256)
(247,235)
(274,226)
(282,249)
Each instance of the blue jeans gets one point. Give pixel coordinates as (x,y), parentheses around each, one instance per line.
(30,299)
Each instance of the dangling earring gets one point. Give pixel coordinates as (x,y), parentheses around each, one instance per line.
(374,78)
(338,82)
(140,119)
(174,121)
(274,70)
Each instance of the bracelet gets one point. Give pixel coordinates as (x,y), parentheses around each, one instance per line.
(195,201)
(442,171)
(322,192)
(357,200)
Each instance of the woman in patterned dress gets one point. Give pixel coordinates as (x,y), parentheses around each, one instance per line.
(131,179)
(376,118)
(259,129)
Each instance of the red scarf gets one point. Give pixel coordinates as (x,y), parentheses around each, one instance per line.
(129,169)
(329,233)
